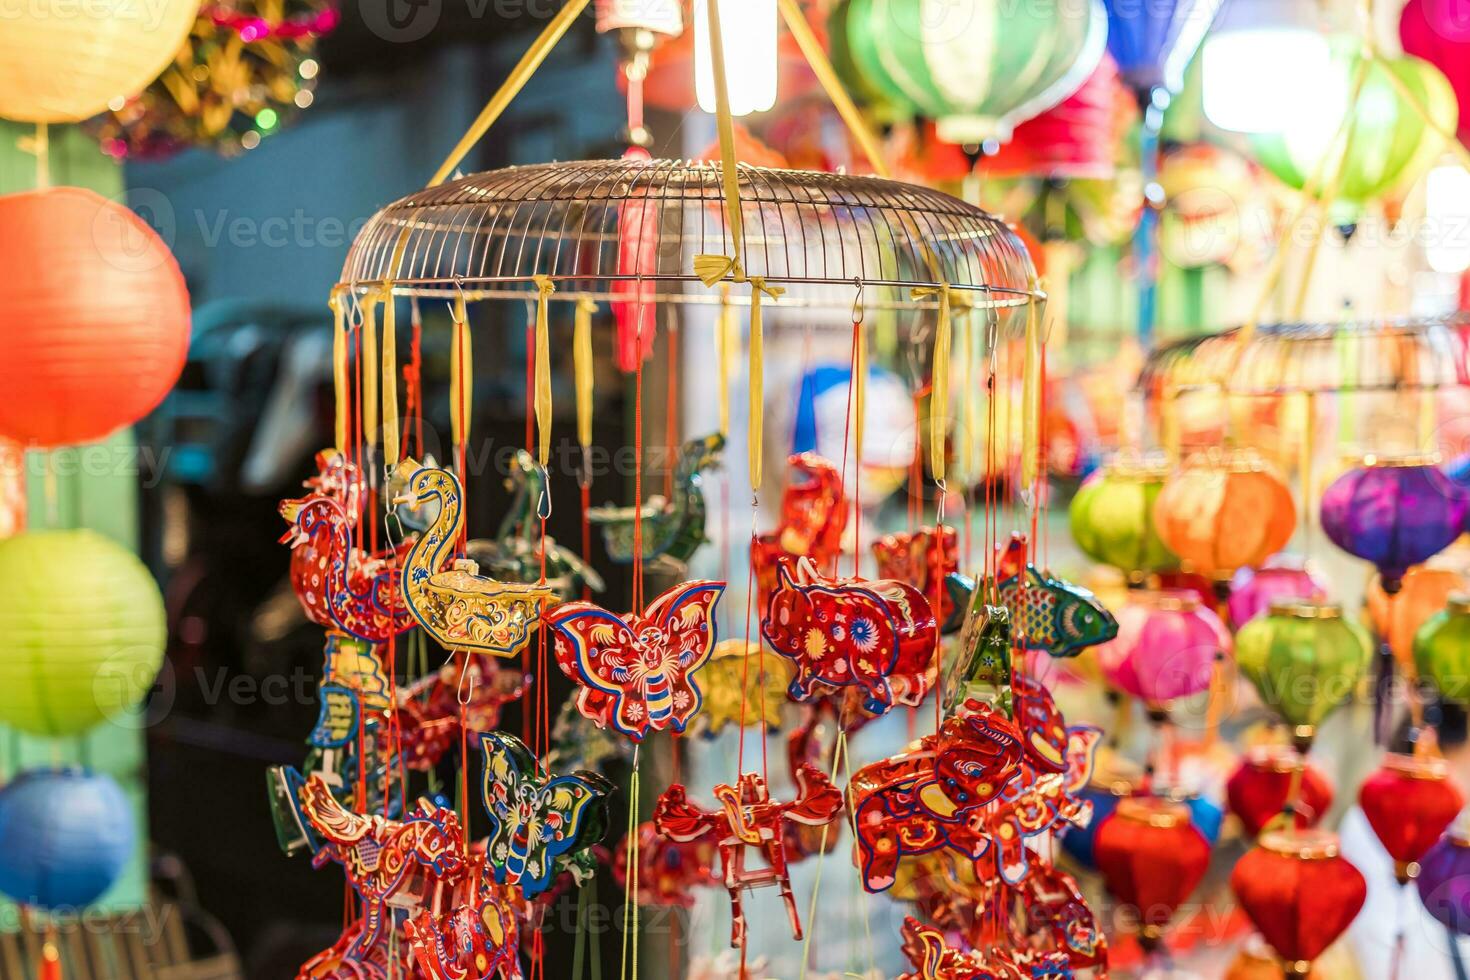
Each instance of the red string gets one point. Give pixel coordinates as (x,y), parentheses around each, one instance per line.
(638,489)
(857,551)
(586,488)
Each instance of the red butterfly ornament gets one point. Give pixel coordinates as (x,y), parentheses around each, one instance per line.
(636,673)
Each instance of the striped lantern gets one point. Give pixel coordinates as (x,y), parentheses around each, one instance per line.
(978,67)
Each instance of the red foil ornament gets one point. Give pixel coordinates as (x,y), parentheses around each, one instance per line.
(1151,857)
(1409,802)
(921,558)
(1300,893)
(814,512)
(1257,792)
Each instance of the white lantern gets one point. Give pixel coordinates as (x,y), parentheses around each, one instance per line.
(748,30)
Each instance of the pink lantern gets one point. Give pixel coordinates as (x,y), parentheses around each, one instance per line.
(1439,32)
(1282,577)
(1167,645)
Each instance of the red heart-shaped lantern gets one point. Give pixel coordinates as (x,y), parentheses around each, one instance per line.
(1409,802)
(1258,791)
(1151,857)
(1300,893)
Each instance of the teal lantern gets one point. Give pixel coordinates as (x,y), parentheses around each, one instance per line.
(977,67)
(83,627)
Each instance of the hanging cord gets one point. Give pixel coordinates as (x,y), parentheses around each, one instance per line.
(630,878)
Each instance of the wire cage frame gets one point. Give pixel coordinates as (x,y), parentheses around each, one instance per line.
(595,227)
(1362,356)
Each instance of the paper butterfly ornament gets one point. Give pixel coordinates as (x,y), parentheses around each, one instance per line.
(536,820)
(932,797)
(877,636)
(637,673)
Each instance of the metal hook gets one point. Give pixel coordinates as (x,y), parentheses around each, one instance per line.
(460,693)
(543,503)
(858,312)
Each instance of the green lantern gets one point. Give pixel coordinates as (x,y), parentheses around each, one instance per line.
(978,67)
(1304,660)
(1388,144)
(83,627)
(1442,649)
(1112,519)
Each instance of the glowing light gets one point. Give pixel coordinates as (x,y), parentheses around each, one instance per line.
(1271,80)
(267,119)
(748,30)
(1447,212)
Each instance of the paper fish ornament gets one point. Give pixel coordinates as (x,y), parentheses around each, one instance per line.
(636,674)
(536,820)
(877,636)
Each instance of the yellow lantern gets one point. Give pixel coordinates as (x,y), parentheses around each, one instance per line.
(62,61)
(1222,512)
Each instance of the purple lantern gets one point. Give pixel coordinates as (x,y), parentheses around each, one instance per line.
(1394,513)
(1254,589)
(1153,41)
(1166,648)
(1444,880)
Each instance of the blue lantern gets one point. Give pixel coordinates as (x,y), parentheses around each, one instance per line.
(64,838)
(1154,40)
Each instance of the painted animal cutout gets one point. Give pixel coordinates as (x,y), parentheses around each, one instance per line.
(876,636)
(749,818)
(982,666)
(1049,614)
(934,959)
(537,820)
(476,939)
(668,870)
(1041,802)
(814,515)
(934,796)
(924,559)
(636,673)
(673,529)
(460,608)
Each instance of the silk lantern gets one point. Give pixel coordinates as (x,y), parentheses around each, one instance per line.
(63,62)
(1254,589)
(1151,857)
(1397,620)
(1112,519)
(1390,145)
(1114,779)
(1259,791)
(1444,879)
(1439,32)
(1223,512)
(1155,41)
(1409,801)
(84,631)
(94,317)
(1166,648)
(1300,893)
(1394,512)
(67,836)
(978,67)
(1442,650)
(1304,659)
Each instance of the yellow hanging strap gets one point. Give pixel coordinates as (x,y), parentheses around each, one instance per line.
(859,392)
(390,378)
(339,369)
(582,370)
(544,288)
(725,345)
(461,374)
(1031,397)
(369,393)
(757,376)
(949,302)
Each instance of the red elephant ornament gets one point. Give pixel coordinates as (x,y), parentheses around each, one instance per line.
(934,796)
(877,636)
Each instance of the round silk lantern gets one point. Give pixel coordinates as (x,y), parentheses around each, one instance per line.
(1254,590)
(1439,32)
(1166,648)
(1223,512)
(1394,512)
(1112,519)
(1259,790)
(1151,857)
(63,62)
(978,67)
(1257,962)
(1300,893)
(1155,41)
(1424,593)
(67,836)
(1390,145)
(1442,650)
(1444,879)
(84,631)
(1409,802)
(94,317)
(1304,660)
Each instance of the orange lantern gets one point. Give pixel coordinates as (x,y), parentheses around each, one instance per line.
(1222,512)
(94,317)
(1425,592)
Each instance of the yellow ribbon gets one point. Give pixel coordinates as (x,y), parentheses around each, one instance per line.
(725,345)
(461,374)
(582,369)
(859,392)
(544,288)
(949,302)
(1031,398)
(757,376)
(369,393)
(390,378)
(339,369)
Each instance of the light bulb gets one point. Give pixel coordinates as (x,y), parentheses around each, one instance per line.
(1271,80)
(748,30)
(1447,214)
